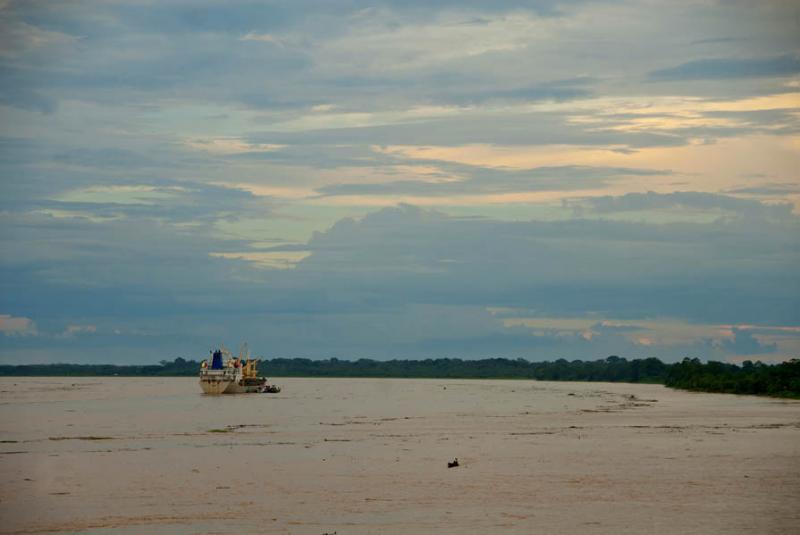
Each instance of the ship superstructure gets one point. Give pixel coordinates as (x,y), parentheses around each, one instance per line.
(226,374)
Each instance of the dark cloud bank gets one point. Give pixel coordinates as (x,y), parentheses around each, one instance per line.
(406,282)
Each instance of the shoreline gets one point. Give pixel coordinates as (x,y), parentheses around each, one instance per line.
(794,397)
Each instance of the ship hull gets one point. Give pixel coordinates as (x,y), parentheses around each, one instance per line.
(221,386)
(214,387)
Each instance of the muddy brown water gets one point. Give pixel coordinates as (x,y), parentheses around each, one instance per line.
(370,456)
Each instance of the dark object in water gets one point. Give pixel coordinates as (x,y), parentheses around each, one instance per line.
(453,464)
(271,389)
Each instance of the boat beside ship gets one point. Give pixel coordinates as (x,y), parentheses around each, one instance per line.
(226,374)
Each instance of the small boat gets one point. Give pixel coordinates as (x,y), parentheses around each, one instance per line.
(226,374)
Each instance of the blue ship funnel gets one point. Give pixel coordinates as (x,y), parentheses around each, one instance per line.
(216,360)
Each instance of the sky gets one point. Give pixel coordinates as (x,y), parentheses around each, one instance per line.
(399,179)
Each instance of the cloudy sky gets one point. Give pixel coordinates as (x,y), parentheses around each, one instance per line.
(537,179)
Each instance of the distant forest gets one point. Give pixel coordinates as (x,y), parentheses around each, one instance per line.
(757,378)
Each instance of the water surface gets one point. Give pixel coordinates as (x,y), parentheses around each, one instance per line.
(370,456)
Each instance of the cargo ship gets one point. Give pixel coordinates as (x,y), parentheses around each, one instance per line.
(226,374)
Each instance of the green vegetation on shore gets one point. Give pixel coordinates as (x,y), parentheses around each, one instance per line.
(781,380)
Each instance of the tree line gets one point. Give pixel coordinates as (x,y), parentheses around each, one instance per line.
(782,380)
(757,378)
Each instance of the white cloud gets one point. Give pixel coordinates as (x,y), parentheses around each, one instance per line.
(121,194)
(263,37)
(229,145)
(17,325)
(267,259)
(74,330)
